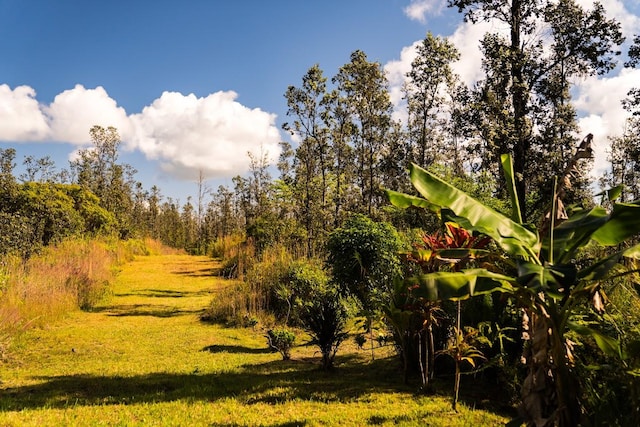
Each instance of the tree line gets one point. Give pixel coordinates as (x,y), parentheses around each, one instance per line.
(341,246)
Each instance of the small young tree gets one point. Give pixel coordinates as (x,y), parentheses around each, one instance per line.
(324,318)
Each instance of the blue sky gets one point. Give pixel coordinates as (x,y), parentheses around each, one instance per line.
(193,85)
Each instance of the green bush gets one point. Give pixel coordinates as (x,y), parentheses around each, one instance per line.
(281,340)
(324,317)
(363,256)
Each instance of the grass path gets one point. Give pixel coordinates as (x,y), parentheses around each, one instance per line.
(145,359)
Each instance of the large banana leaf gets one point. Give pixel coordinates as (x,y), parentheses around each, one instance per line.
(623,223)
(607,344)
(404,201)
(515,239)
(600,269)
(574,233)
(447,285)
(554,280)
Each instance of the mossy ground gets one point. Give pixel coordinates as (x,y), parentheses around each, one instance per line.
(144,358)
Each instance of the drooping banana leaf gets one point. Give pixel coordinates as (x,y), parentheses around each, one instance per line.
(574,233)
(610,346)
(515,239)
(458,285)
(600,269)
(623,223)
(404,201)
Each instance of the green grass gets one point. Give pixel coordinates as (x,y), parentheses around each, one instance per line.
(144,358)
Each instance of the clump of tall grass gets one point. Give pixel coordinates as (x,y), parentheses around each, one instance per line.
(238,256)
(69,275)
(252,296)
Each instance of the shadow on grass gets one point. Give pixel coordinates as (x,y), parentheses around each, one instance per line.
(235,349)
(152,310)
(270,383)
(164,293)
(199,272)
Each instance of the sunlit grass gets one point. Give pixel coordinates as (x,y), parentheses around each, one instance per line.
(144,358)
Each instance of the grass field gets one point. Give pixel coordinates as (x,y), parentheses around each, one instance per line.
(143,358)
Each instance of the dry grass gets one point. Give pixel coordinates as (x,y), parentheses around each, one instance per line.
(62,278)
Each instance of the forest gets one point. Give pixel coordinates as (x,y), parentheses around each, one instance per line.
(467,231)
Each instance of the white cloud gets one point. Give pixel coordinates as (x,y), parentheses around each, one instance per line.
(185,134)
(598,102)
(617,10)
(396,72)
(73,112)
(20,115)
(419,9)
(466,39)
(212,134)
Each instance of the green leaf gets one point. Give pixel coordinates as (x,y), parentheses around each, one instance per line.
(404,201)
(610,346)
(459,285)
(554,280)
(461,253)
(612,193)
(623,223)
(574,233)
(507,168)
(515,239)
(601,268)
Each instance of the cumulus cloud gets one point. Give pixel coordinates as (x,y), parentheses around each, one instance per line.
(617,10)
(396,72)
(466,38)
(211,134)
(20,115)
(185,134)
(73,112)
(419,9)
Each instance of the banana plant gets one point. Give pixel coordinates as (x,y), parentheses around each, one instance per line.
(544,278)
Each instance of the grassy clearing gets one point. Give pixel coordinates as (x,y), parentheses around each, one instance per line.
(144,358)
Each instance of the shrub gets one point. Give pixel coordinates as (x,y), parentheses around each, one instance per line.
(363,255)
(324,317)
(229,304)
(281,340)
(298,284)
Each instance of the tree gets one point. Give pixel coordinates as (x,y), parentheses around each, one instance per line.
(42,169)
(519,69)
(308,105)
(624,156)
(341,131)
(363,88)
(624,153)
(426,93)
(97,169)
